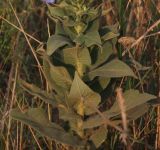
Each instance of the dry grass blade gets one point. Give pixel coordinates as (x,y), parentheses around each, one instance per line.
(33,38)
(157,142)
(143,36)
(126,41)
(121,102)
(132,43)
(33,51)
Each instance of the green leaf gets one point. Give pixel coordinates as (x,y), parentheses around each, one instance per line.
(76,54)
(57,77)
(70,31)
(137,111)
(75,121)
(77,125)
(60,76)
(104,81)
(34,90)
(109,35)
(82,97)
(37,119)
(59,30)
(92,122)
(104,54)
(80,27)
(99,136)
(55,42)
(67,114)
(93,26)
(51,82)
(79,57)
(79,40)
(113,69)
(91,14)
(95,121)
(92,38)
(133,101)
(56,11)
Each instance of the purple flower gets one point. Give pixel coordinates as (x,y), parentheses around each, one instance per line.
(49,1)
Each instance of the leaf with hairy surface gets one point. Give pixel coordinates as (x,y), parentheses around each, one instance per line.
(92,38)
(104,82)
(99,136)
(109,36)
(37,119)
(113,69)
(133,100)
(79,57)
(34,90)
(55,42)
(82,97)
(57,77)
(107,50)
(76,54)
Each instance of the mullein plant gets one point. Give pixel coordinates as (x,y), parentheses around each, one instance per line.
(78,67)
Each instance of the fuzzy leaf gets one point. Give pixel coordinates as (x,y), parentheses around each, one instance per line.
(99,136)
(109,35)
(34,90)
(113,69)
(92,38)
(104,82)
(104,54)
(93,26)
(57,77)
(55,42)
(75,54)
(133,100)
(137,111)
(77,125)
(51,82)
(70,31)
(59,30)
(95,121)
(92,122)
(79,57)
(60,76)
(56,11)
(75,121)
(82,97)
(67,114)
(37,119)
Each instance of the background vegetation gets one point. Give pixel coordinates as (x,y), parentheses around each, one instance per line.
(137,19)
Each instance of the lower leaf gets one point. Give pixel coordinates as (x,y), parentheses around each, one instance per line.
(37,119)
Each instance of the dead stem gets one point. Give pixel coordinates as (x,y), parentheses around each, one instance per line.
(122,106)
